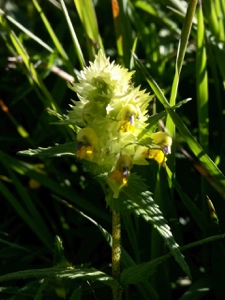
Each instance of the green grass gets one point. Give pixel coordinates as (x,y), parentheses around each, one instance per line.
(56,219)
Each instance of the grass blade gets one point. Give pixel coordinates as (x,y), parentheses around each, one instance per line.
(34,78)
(88,18)
(180,58)
(27,32)
(202,82)
(73,35)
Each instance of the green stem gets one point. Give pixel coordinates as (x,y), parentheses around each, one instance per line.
(116,253)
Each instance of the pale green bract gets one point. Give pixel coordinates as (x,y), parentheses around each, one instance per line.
(111,115)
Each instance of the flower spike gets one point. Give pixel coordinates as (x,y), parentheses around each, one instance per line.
(112,114)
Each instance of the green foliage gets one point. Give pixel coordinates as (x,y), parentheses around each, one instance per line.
(55,230)
(137,199)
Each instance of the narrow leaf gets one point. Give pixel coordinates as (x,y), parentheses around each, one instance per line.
(69,273)
(135,198)
(58,150)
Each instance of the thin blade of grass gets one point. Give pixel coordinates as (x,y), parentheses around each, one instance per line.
(76,43)
(202,82)
(54,37)
(222,5)
(180,58)
(32,74)
(220,17)
(88,18)
(27,32)
(147,7)
(202,93)
(210,14)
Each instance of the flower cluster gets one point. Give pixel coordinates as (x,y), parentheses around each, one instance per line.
(111,116)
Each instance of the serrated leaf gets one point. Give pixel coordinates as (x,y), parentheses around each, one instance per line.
(136,198)
(57,150)
(59,257)
(141,272)
(66,273)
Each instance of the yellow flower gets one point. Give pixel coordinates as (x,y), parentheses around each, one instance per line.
(128,116)
(157,155)
(119,177)
(87,143)
(159,139)
(163,140)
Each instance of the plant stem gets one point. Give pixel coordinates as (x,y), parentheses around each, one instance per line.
(116,253)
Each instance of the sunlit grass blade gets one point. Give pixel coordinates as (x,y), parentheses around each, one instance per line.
(218,49)
(33,76)
(54,37)
(75,41)
(132,62)
(202,82)
(209,9)
(180,58)
(202,91)
(149,36)
(220,16)
(177,5)
(27,32)
(88,18)
(151,10)
(222,5)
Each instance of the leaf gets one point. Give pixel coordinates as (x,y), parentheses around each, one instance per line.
(58,150)
(137,199)
(141,272)
(73,35)
(59,257)
(66,273)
